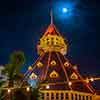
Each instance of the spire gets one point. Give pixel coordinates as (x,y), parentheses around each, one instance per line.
(51,15)
(51,12)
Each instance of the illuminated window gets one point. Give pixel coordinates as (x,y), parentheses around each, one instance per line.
(54,74)
(39,64)
(74,76)
(66,64)
(53,62)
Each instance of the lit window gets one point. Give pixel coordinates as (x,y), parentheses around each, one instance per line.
(54,74)
(53,62)
(66,64)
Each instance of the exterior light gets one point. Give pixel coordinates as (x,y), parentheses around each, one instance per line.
(87,80)
(75,67)
(9,90)
(70,83)
(30,68)
(47,87)
(28,89)
(91,79)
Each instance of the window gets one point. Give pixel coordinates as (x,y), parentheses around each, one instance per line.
(72,97)
(56,38)
(76,96)
(83,98)
(57,96)
(47,96)
(66,96)
(62,96)
(79,97)
(90,97)
(42,96)
(86,97)
(52,96)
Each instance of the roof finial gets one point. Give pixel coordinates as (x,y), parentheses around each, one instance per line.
(51,13)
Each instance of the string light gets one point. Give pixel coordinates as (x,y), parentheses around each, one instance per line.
(47,87)
(9,90)
(70,83)
(91,79)
(28,89)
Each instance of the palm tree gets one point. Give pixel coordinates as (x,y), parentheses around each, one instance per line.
(12,69)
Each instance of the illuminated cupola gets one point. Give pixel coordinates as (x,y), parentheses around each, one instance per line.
(60,80)
(52,41)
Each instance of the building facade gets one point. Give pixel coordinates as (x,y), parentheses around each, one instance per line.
(60,80)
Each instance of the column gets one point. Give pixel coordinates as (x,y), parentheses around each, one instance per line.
(84,97)
(81,97)
(44,96)
(69,96)
(73,96)
(78,97)
(59,96)
(64,95)
(50,96)
(54,95)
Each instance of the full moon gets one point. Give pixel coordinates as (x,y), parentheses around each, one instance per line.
(65,10)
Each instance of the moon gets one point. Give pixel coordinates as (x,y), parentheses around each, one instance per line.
(64,10)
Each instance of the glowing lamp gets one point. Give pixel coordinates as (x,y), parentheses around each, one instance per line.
(30,68)
(70,83)
(91,79)
(9,90)
(27,89)
(47,87)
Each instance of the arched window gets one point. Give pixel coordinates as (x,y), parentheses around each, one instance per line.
(66,96)
(42,96)
(57,96)
(75,96)
(52,96)
(83,98)
(90,97)
(62,96)
(86,97)
(79,97)
(47,96)
(72,97)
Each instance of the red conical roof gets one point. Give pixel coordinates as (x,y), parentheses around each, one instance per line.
(51,30)
(56,70)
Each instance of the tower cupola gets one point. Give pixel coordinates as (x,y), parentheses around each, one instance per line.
(52,41)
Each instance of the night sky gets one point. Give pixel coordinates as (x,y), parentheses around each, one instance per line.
(22,23)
